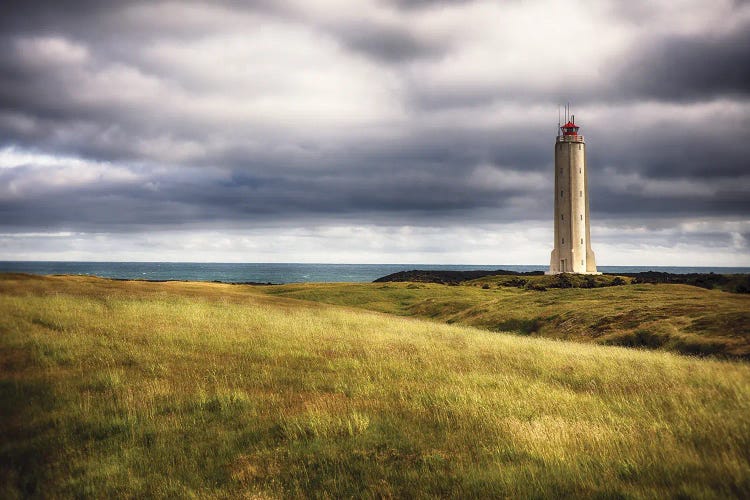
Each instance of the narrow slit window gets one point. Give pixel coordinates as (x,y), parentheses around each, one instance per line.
(562,216)
(581,261)
(580,193)
(561,193)
(581,216)
(581,241)
(563,241)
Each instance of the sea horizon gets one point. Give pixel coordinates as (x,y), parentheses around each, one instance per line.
(293,272)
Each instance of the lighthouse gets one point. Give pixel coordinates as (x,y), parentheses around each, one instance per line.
(572,249)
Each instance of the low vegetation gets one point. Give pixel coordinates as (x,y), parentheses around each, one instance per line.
(680,318)
(536,280)
(542,283)
(134,389)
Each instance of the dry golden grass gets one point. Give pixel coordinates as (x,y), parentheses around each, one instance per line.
(678,318)
(184,389)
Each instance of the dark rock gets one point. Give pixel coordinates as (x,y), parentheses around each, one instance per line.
(449,277)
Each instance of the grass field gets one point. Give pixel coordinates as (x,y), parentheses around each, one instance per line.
(134,389)
(679,318)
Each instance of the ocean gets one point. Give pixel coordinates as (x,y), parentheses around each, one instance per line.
(288,272)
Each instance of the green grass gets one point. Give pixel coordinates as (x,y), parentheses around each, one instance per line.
(131,389)
(679,318)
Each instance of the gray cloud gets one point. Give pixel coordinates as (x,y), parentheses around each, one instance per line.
(421,4)
(164,115)
(388,43)
(691,68)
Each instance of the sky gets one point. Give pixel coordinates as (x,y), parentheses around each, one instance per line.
(371,131)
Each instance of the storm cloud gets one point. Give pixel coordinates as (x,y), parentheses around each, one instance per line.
(278,117)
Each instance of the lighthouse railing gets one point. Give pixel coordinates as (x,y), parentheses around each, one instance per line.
(570,138)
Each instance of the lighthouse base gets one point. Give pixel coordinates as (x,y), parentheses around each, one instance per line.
(548,273)
(565,262)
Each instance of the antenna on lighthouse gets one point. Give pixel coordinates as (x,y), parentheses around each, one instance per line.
(558,120)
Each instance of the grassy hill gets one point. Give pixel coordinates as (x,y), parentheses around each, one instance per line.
(679,318)
(195,389)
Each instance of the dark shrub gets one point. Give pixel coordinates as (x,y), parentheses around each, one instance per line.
(640,338)
(517,282)
(520,325)
(563,281)
(535,286)
(743,285)
(589,282)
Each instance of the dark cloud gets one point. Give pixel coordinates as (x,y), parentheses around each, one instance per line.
(674,151)
(690,67)
(411,4)
(50,16)
(173,115)
(197,195)
(388,43)
(610,202)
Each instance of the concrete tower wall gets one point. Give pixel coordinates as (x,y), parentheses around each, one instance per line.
(590,258)
(572,250)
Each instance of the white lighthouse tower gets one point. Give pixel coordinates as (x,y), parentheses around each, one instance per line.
(572,250)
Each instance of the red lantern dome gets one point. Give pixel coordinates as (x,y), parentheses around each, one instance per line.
(570,128)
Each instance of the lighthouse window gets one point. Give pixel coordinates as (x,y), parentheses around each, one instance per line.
(581,261)
(581,241)
(580,193)
(562,216)
(579,170)
(563,241)
(561,193)
(579,147)
(581,216)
